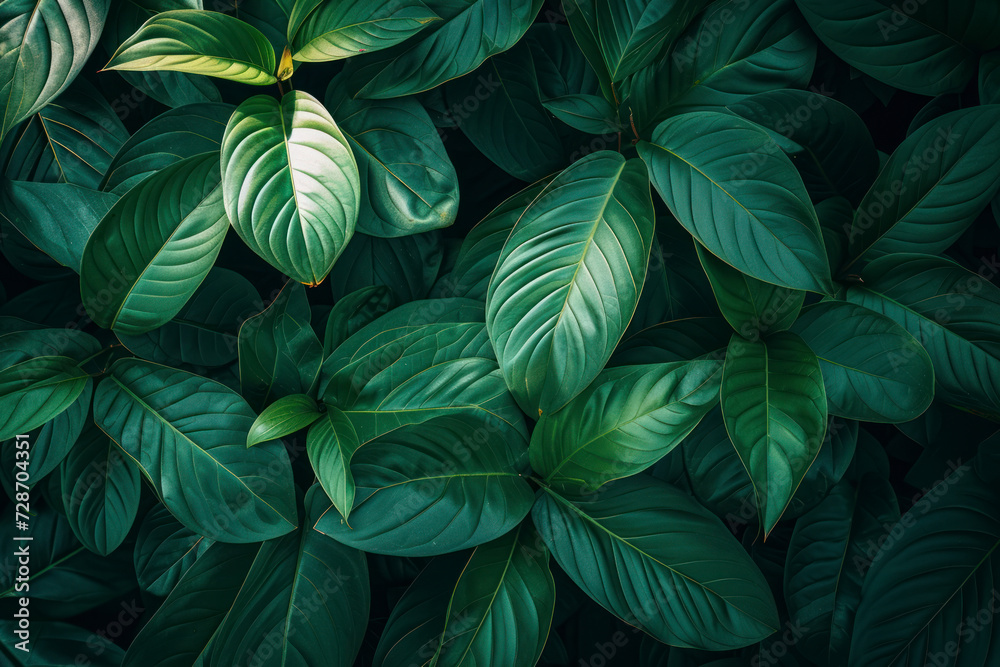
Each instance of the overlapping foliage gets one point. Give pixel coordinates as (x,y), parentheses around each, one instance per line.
(602,332)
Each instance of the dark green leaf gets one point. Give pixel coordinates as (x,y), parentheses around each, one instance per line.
(164,550)
(408,184)
(698,586)
(154,247)
(730,185)
(624,422)
(188,436)
(774,405)
(873,369)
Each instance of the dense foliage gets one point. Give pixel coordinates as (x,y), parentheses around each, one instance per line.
(500,332)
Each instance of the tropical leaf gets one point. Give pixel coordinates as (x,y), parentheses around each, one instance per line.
(280,354)
(152,250)
(762,45)
(951,312)
(468,34)
(100,492)
(503,589)
(70,140)
(196,41)
(873,369)
(57,218)
(923,586)
(562,294)
(633,33)
(922,54)
(165,140)
(624,422)
(188,435)
(700,588)
(751,212)
(45,44)
(283,417)
(774,406)
(408,183)
(408,265)
(449,485)
(752,307)
(205,332)
(828,557)
(320,31)
(165,550)
(304,592)
(290,183)
(508,125)
(932,188)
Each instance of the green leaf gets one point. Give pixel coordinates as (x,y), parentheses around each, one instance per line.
(164,550)
(588,113)
(182,628)
(173,89)
(468,34)
(57,218)
(774,406)
(290,183)
(406,368)
(932,188)
(481,247)
(726,55)
(154,247)
(280,354)
(331,443)
(408,184)
(827,559)
(924,585)
(752,307)
(406,264)
(569,278)
(508,123)
(205,331)
(354,311)
(625,421)
(196,41)
(283,417)
(633,33)
(188,436)
(951,312)
(450,484)
(320,31)
(36,390)
(873,369)
(100,491)
(698,586)
(305,598)
(70,140)
(503,589)
(900,49)
(44,46)
(820,126)
(165,140)
(581,16)
(734,190)
(51,442)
